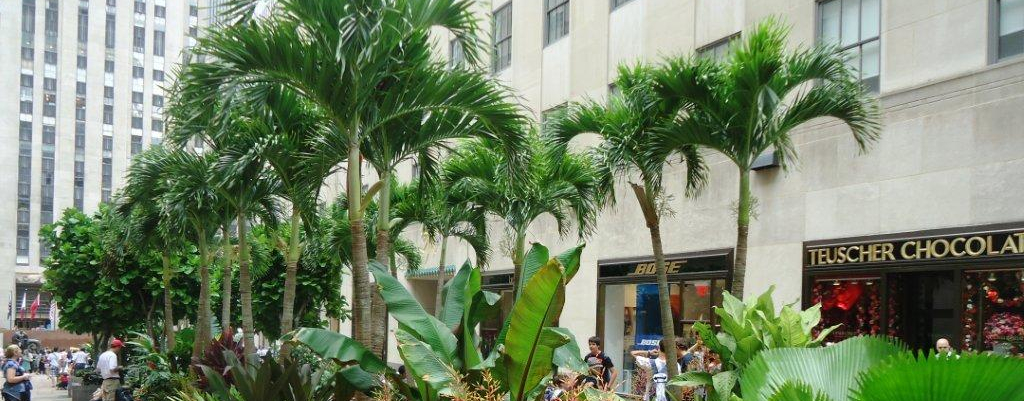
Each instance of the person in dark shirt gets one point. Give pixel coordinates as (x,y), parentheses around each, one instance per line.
(602,370)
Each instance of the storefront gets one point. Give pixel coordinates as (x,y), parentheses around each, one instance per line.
(499,282)
(628,314)
(966,285)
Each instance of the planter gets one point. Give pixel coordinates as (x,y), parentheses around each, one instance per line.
(82,393)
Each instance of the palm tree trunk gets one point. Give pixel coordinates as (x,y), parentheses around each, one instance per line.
(245,285)
(227,277)
(739,268)
(360,274)
(203,336)
(290,278)
(518,255)
(441,267)
(168,302)
(378,310)
(646,199)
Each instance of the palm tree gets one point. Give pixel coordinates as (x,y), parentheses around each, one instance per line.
(753,102)
(629,150)
(193,199)
(442,217)
(563,185)
(243,180)
(354,61)
(141,201)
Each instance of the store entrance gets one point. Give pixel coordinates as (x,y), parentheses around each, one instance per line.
(927,302)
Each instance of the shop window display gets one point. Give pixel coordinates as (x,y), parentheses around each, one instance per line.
(993,311)
(853,303)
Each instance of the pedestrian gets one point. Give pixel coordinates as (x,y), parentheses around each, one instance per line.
(560,385)
(17,384)
(110,370)
(53,364)
(80,358)
(656,362)
(944,349)
(601,373)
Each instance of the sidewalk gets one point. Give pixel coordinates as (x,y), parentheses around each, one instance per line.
(43,390)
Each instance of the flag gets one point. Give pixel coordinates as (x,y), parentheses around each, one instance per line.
(24,303)
(35,305)
(10,307)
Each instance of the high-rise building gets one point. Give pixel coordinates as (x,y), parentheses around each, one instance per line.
(92,79)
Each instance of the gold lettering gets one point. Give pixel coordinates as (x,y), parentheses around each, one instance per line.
(924,250)
(673,267)
(1020,240)
(988,246)
(945,248)
(1010,245)
(830,256)
(850,255)
(953,247)
(865,253)
(975,246)
(841,255)
(887,249)
(904,250)
(822,257)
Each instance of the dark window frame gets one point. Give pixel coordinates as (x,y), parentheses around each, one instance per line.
(499,63)
(551,7)
(859,43)
(996,51)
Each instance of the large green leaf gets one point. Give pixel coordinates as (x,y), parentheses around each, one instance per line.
(424,365)
(796,391)
(968,378)
(570,261)
(569,356)
(338,347)
(404,308)
(534,260)
(722,383)
(479,307)
(691,379)
(832,370)
(455,297)
(530,343)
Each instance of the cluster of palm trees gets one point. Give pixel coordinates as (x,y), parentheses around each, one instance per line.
(317,88)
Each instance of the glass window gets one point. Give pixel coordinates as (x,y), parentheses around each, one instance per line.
(158,75)
(80,88)
(26,107)
(108,114)
(137,122)
(140,7)
(502,57)
(1011,28)
(28,17)
(26,80)
(158,43)
(50,19)
(136,145)
(556,20)
(108,92)
(455,54)
(719,49)
(853,25)
(993,311)
(109,39)
(83,25)
(108,66)
(50,57)
(82,62)
(193,11)
(27,54)
(138,72)
(158,125)
(137,97)
(158,101)
(193,31)
(50,84)
(139,39)
(617,3)
(111,3)
(159,11)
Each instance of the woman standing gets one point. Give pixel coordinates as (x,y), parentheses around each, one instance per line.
(17,386)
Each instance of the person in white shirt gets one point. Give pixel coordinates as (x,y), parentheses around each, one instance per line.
(53,363)
(80,359)
(109,370)
(657,364)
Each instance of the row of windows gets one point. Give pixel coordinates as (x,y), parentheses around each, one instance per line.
(28,12)
(139,41)
(852,25)
(158,11)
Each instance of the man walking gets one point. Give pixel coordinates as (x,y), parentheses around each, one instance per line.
(109,370)
(80,358)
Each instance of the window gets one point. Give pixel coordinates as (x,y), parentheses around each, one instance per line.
(80,88)
(83,62)
(853,25)
(502,57)
(193,11)
(83,25)
(159,11)
(139,39)
(28,17)
(158,43)
(546,115)
(108,92)
(617,3)
(140,7)
(110,31)
(108,114)
(50,19)
(50,57)
(50,84)
(26,107)
(158,75)
(26,80)
(158,125)
(455,54)
(80,113)
(137,122)
(136,145)
(556,20)
(108,66)
(138,72)
(111,3)
(27,54)
(137,97)
(193,31)
(158,101)
(1011,28)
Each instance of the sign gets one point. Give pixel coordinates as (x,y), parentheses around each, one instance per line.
(968,246)
(674,264)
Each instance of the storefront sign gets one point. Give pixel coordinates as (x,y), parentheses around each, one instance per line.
(1000,244)
(674,264)
(647,269)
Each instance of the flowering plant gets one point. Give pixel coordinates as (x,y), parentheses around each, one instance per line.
(1004,327)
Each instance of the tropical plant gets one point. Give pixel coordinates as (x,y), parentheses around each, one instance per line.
(217,357)
(563,185)
(754,101)
(629,150)
(878,369)
(367,67)
(438,352)
(747,329)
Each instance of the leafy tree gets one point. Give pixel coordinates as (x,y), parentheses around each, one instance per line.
(630,150)
(563,185)
(752,103)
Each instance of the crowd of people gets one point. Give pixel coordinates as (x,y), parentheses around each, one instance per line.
(58,365)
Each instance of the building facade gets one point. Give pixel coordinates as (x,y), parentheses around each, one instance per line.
(86,84)
(917,238)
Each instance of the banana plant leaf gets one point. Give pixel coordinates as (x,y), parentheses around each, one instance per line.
(432,374)
(967,378)
(832,370)
(569,356)
(530,342)
(482,305)
(719,385)
(339,347)
(456,297)
(534,260)
(404,308)
(570,261)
